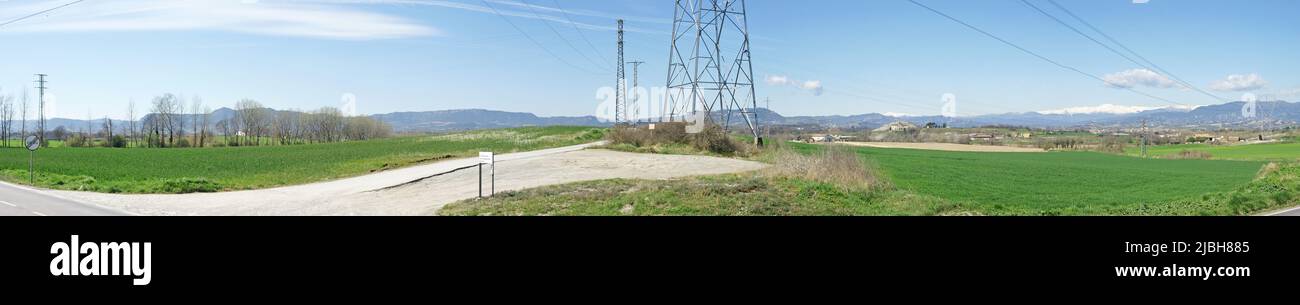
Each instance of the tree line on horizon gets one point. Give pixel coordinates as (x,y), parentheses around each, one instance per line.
(169,125)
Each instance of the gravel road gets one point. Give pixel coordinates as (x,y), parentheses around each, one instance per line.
(417,191)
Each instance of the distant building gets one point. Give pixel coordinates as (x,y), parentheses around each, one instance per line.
(897,126)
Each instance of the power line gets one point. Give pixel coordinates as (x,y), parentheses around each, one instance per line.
(40,12)
(580,34)
(1126,48)
(901,93)
(1113,50)
(530,38)
(566,40)
(1027,51)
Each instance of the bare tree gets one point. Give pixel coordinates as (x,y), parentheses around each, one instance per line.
(255,120)
(130,122)
(108,132)
(207,122)
(164,121)
(361,128)
(194,120)
(180,120)
(224,127)
(6,118)
(90,130)
(24,112)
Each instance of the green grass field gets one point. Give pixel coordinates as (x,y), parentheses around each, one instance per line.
(935,183)
(182,170)
(1069,183)
(1284,151)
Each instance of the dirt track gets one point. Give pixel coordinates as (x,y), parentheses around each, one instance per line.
(943,147)
(392,193)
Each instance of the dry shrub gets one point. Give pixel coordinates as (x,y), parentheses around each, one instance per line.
(664,133)
(713,139)
(1189,155)
(839,165)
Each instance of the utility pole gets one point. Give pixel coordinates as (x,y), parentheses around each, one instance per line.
(40,124)
(620,101)
(636,83)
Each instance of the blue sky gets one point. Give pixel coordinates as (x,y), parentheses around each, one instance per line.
(884,56)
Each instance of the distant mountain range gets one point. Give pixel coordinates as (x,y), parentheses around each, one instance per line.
(470,119)
(1227,115)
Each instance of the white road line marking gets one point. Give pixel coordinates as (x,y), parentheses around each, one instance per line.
(1283,211)
(7,203)
(39,213)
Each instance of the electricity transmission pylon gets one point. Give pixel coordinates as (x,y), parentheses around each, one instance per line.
(709,66)
(634,105)
(620,98)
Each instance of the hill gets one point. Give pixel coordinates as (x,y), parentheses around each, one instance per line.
(1228,115)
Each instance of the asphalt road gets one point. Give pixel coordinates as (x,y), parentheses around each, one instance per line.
(1291,212)
(22,201)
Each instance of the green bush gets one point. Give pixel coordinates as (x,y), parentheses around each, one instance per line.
(190,185)
(117,142)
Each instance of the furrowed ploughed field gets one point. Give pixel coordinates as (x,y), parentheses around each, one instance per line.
(185,170)
(923,182)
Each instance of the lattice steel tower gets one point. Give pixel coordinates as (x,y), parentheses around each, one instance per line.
(709,66)
(620,101)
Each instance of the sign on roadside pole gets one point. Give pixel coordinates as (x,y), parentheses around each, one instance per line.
(490,159)
(33,143)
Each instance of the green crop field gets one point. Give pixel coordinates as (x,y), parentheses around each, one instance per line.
(933,183)
(182,170)
(1055,182)
(1283,151)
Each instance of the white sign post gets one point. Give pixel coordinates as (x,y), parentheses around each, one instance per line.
(490,159)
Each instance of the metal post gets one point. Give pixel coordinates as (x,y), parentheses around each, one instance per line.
(480,180)
(493,192)
(31,167)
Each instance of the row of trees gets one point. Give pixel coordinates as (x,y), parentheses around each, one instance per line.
(251,125)
(8,109)
(172,122)
(254,124)
(167,123)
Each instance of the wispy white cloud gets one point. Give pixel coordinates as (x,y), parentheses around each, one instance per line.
(1138,77)
(1239,82)
(274,18)
(518,9)
(814,86)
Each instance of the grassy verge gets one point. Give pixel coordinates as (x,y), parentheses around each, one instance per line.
(1276,186)
(731,195)
(185,170)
